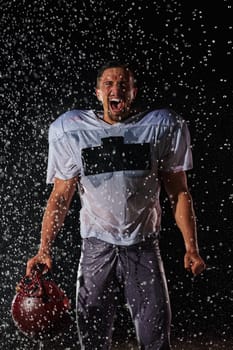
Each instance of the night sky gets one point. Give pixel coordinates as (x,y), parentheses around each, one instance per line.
(182,55)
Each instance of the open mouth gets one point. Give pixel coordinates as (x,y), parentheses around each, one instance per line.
(117,105)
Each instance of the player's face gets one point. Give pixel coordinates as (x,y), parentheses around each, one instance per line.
(116,91)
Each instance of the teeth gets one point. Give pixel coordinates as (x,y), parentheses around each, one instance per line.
(115,100)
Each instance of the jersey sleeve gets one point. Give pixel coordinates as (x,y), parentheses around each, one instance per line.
(178,155)
(61,159)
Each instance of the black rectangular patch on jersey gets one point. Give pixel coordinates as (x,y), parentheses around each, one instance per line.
(115,155)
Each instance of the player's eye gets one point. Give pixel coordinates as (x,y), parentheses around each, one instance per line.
(107,83)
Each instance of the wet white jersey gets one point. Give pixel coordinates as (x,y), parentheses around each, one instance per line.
(118,168)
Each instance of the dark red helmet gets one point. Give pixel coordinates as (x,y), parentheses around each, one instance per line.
(40,308)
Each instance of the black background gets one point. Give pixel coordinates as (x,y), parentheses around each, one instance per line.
(182,54)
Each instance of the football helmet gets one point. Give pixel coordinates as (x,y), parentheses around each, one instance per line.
(40,309)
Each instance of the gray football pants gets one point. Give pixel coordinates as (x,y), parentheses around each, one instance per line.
(139,270)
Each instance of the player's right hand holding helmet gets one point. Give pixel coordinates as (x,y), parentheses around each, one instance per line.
(40,259)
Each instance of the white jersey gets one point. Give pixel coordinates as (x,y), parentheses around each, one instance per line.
(118,168)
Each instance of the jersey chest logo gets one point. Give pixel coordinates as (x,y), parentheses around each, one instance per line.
(114,155)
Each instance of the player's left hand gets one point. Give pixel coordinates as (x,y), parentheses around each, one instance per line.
(194,263)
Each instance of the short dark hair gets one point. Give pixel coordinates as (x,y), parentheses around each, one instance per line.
(114,64)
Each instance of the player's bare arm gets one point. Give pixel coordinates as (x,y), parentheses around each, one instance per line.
(176,187)
(57,207)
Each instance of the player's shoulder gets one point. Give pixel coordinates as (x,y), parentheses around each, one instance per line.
(162,116)
(68,122)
